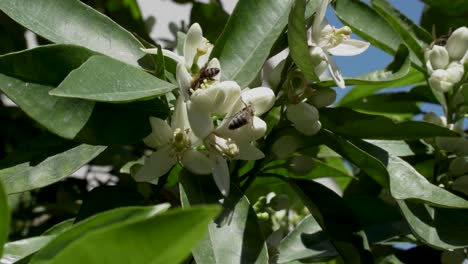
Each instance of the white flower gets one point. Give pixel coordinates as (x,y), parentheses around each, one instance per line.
(436,58)
(227,143)
(174,144)
(305,118)
(197,49)
(444,80)
(326,40)
(457,43)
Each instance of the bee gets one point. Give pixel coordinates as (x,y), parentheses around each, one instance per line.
(205,74)
(242,117)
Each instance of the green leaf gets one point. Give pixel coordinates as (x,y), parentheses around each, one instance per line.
(211,17)
(395,71)
(104,79)
(72,22)
(360,91)
(415,37)
(407,183)
(26,78)
(235,236)
(398,105)
(60,227)
(297,39)
(401,148)
(154,235)
(436,17)
(358,155)
(348,122)
(248,37)
(306,241)
(43,162)
(439,227)
(336,219)
(21,249)
(5,215)
(368,24)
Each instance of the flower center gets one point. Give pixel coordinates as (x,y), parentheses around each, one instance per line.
(227,147)
(202,50)
(332,37)
(180,141)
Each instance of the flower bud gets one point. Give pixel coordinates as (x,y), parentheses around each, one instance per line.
(302,165)
(457,43)
(304,117)
(459,166)
(437,58)
(279,202)
(439,81)
(457,145)
(285,146)
(323,97)
(455,72)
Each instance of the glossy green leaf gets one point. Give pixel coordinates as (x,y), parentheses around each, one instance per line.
(348,122)
(415,37)
(43,162)
(306,241)
(26,78)
(401,148)
(439,227)
(297,40)
(248,37)
(395,71)
(234,237)
(358,155)
(72,22)
(5,216)
(398,105)
(407,183)
(155,236)
(368,24)
(360,91)
(104,79)
(451,7)
(21,249)
(60,227)
(336,219)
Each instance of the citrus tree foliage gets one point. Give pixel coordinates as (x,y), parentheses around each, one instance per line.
(199,125)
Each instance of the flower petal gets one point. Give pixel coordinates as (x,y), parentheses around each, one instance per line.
(335,73)
(200,121)
(319,16)
(261,98)
(247,151)
(349,47)
(176,57)
(247,133)
(185,81)
(304,117)
(158,164)
(179,117)
(214,63)
(216,99)
(220,172)
(160,135)
(193,40)
(196,162)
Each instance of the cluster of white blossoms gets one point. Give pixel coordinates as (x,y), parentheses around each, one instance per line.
(213,121)
(324,41)
(445,63)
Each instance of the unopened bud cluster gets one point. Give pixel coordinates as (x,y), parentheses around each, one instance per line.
(445,64)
